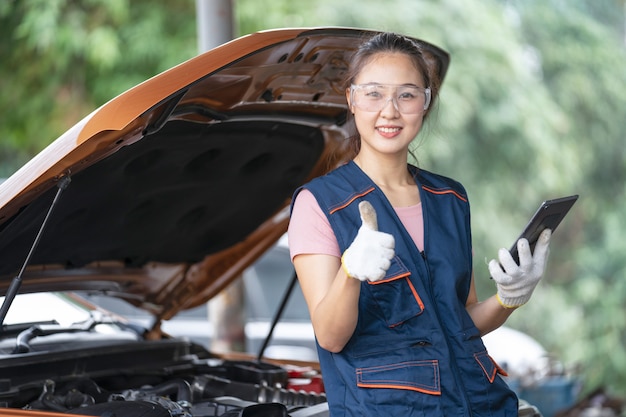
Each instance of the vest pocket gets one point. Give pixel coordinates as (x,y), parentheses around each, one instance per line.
(421,376)
(395,294)
(489,366)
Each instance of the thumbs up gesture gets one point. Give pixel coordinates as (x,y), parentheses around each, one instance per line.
(369,256)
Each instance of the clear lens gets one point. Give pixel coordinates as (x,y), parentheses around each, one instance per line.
(408,99)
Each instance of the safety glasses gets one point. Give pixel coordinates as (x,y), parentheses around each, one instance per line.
(407,99)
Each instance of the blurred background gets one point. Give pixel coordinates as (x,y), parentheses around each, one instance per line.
(533,107)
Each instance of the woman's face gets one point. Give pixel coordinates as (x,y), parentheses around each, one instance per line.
(388,130)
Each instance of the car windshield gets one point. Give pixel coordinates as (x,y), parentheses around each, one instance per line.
(45,307)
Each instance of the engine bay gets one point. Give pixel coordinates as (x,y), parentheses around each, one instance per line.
(153,379)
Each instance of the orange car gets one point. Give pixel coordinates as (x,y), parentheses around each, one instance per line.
(162,197)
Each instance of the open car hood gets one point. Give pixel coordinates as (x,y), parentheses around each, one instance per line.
(165,194)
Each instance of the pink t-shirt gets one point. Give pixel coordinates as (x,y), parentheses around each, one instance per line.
(310,232)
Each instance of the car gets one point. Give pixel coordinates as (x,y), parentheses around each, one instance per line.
(162,198)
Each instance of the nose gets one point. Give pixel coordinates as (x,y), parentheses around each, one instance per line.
(394,109)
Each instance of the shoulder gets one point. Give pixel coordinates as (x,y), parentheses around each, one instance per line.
(309,230)
(305,200)
(339,187)
(332,178)
(439,184)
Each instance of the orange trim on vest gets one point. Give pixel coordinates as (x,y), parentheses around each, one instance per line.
(444,191)
(347,203)
(393,278)
(404,387)
(415,294)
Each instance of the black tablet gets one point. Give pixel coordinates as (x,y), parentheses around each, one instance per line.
(548,216)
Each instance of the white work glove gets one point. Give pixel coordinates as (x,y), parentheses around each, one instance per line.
(369,255)
(515,283)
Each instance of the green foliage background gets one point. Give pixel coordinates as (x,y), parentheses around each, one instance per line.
(533,107)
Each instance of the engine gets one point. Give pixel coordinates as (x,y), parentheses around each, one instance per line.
(162,379)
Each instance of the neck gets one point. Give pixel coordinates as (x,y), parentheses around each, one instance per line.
(389,173)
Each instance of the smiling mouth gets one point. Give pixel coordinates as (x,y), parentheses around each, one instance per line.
(389,129)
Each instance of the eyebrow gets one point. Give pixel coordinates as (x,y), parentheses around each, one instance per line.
(373,83)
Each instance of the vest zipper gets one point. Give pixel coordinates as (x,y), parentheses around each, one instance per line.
(454,365)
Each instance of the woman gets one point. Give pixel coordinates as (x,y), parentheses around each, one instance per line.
(383,254)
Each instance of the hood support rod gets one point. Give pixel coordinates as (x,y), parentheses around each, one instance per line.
(278,315)
(17,281)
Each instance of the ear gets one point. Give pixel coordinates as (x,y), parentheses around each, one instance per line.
(350,105)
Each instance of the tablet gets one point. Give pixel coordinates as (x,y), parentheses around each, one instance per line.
(548,216)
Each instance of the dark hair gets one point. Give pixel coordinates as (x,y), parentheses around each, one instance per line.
(389,42)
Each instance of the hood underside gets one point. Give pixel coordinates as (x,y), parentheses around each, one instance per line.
(168,192)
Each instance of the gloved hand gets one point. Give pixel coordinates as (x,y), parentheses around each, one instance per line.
(369,255)
(515,283)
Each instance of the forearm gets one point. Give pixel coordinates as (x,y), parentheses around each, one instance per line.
(489,314)
(332,298)
(336,315)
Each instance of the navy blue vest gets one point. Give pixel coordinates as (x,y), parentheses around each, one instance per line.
(415,350)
